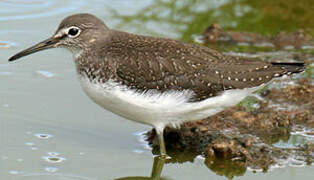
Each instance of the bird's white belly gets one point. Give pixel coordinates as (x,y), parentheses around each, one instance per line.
(158,109)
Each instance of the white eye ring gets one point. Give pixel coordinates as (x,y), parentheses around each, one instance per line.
(73,31)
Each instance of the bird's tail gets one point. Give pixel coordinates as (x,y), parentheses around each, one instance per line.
(291,67)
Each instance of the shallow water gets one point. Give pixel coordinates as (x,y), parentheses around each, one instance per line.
(49,129)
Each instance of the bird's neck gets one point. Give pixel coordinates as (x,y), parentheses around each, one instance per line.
(95,69)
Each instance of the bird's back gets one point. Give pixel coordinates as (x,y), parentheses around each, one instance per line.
(145,63)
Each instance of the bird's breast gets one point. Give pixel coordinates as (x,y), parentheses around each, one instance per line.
(145,107)
(155,108)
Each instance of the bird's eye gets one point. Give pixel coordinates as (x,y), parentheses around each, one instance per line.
(73,31)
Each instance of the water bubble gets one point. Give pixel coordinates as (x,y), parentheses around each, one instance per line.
(53,157)
(43,136)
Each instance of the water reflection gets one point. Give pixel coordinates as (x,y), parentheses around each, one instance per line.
(219,165)
(176,19)
(183,19)
(226,168)
(155,174)
(222,167)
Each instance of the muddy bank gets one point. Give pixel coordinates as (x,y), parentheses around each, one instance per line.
(243,136)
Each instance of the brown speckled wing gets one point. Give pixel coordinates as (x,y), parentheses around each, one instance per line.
(146,63)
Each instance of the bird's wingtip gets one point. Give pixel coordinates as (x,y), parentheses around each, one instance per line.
(293,67)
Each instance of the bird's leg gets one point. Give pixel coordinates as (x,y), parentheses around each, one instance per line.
(162,147)
(157,168)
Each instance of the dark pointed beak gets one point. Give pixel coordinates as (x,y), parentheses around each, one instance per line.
(46,44)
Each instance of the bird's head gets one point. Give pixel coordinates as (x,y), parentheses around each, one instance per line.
(76,32)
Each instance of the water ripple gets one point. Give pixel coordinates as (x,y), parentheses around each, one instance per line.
(51,169)
(53,158)
(29,9)
(43,136)
(48,175)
